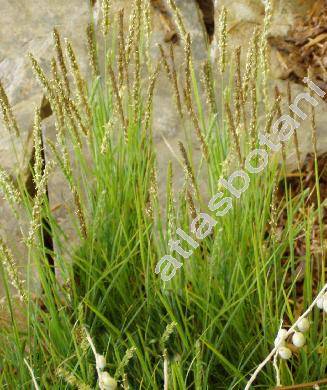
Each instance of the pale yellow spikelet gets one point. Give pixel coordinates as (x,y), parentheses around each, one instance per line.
(92,50)
(122,46)
(131,33)
(271,115)
(188,66)
(147,18)
(7,258)
(172,75)
(71,379)
(118,102)
(38,202)
(79,81)
(45,83)
(54,72)
(232,128)
(255,63)
(147,27)
(222,38)
(178,18)
(238,95)
(148,105)
(60,153)
(8,189)
(187,166)
(79,212)
(38,149)
(153,194)
(165,63)
(251,63)
(72,124)
(8,116)
(254,114)
(107,136)
(50,90)
(225,170)
(167,333)
(264,49)
(61,59)
(137,61)
(149,208)
(208,87)
(106,7)
(191,205)
(80,337)
(58,105)
(154,188)
(121,62)
(122,365)
(65,115)
(175,81)
(74,111)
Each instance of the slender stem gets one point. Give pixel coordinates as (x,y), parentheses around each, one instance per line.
(302,385)
(165,370)
(32,375)
(276,369)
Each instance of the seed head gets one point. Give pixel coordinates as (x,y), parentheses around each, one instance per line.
(106,6)
(10,266)
(8,116)
(187,166)
(61,59)
(8,189)
(127,357)
(178,17)
(222,38)
(92,50)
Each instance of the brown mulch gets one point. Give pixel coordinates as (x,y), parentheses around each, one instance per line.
(305,47)
(317,255)
(309,180)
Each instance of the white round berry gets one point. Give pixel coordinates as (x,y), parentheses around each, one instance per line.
(303,325)
(281,337)
(320,302)
(284,353)
(324,306)
(107,382)
(100,361)
(298,339)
